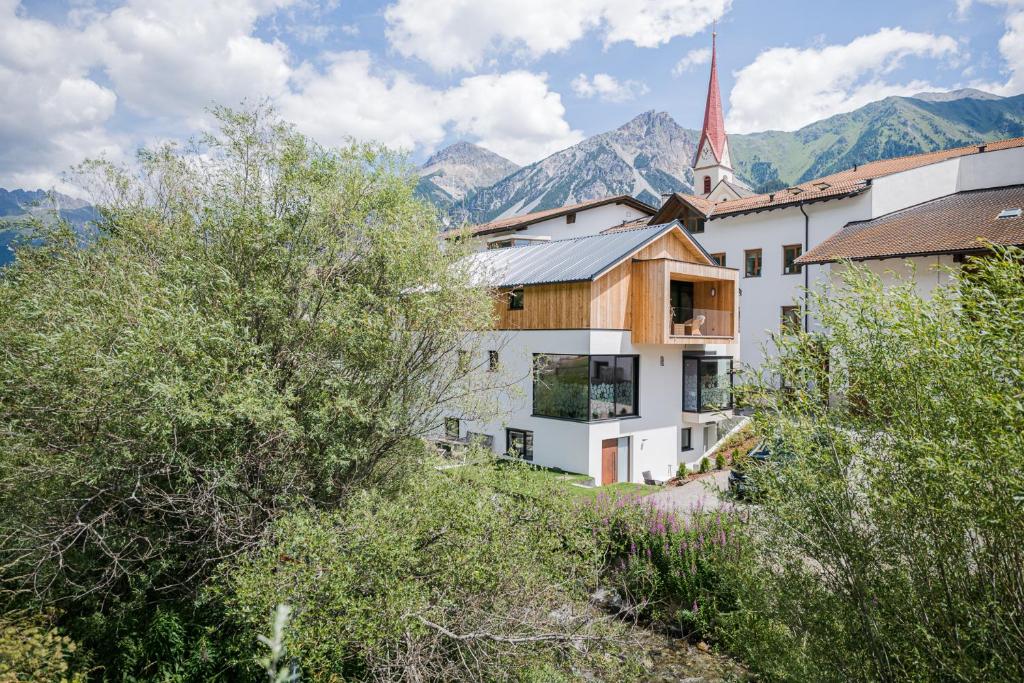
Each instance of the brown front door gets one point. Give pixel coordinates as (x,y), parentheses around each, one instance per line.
(609,458)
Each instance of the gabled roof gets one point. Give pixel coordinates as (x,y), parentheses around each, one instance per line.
(951,224)
(630,225)
(525,220)
(836,186)
(579,259)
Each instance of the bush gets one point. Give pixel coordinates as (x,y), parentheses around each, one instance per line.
(705,465)
(889,544)
(478,573)
(32,650)
(682,471)
(668,567)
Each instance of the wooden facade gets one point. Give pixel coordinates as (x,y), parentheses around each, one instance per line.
(634,294)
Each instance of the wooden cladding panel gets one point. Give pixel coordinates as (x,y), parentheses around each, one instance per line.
(547,307)
(672,246)
(720,319)
(610,307)
(649,302)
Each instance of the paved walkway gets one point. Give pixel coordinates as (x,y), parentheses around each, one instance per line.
(682,498)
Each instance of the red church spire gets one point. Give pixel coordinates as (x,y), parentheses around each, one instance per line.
(714,122)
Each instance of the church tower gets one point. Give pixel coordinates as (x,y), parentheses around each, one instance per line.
(712,164)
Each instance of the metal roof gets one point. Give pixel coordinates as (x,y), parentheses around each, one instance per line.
(569,260)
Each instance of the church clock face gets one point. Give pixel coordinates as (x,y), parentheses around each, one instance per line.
(705,155)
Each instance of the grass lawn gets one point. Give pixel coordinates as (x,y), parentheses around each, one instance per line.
(571,483)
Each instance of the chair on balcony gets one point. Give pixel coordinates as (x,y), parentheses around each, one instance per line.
(693,325)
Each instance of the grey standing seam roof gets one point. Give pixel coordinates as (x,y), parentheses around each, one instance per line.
(569,260)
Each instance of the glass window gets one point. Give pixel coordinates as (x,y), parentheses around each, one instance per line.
(695,224)
(585,387)
(707,383)
(790,253)
(570,218)
(752,263)
(707,184)
(451,427)
(492,361)
(519,443)
(719,258)
(685,439)
(515,299)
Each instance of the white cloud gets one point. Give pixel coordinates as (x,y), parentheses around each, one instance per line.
(608,88)
(460,34)
(692,59)
(786,88)
(513,114)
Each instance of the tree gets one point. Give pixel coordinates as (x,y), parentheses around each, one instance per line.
(892,534)
(262,324)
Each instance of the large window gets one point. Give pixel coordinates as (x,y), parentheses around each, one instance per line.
(707,383)
(752,263)
(519,443)
(585,388)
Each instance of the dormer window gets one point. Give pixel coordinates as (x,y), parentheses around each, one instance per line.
(570,218)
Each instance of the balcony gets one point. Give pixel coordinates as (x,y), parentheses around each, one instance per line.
(707,386)
(676,302)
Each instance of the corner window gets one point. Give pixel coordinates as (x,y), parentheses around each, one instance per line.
(707,383)
(790,319)
(790,253)
(515,299)
(570,218)
(752,263)
(492,361)
(719,258)
(685,436)
(585,388)
(519,443)
(451,427)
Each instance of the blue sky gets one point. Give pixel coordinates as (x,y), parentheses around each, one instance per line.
(86,78)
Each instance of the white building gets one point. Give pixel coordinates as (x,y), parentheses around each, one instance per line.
(622,346)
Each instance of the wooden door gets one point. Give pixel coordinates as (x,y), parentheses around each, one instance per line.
(609,461)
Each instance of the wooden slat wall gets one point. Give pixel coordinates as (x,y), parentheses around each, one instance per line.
(674,247)
(649,302)
(547,307)
(720,319)
(610,307)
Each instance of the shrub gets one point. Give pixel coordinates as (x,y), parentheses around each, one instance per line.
(668,567)
(478,573)
(32,650)
(682,471)
(705,465)
(889,543)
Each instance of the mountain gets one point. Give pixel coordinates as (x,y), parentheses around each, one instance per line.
(895,126)
(645,158)
(457,170)
(651,154)
(19,206)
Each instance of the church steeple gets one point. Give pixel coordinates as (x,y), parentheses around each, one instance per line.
(711,163)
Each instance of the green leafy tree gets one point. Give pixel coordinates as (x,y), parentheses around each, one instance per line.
(892,534)
(261,324)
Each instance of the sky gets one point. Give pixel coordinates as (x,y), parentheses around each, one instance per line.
(101,78)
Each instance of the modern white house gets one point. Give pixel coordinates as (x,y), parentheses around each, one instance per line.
(622,346)
(727,258)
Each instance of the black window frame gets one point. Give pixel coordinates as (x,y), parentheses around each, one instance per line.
(516,299)
(448,422)
(590,388)
(492,361)
(701,359)
(792,268)
(760,262)
(527,436)
(688,446)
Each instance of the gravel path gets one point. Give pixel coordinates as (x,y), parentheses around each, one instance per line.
(706,490)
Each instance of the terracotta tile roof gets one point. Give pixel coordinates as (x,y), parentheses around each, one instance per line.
(628,225)
(521,222)
(950,224)
(844,183)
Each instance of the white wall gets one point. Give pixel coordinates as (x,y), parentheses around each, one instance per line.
(588,222)
(992,169)
(907,188)
(576,446)
(928,272)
